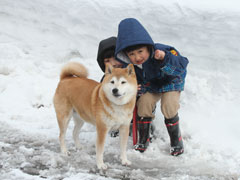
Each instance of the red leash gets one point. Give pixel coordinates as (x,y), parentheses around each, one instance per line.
(134,126)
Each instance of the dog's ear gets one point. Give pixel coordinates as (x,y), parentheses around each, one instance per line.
(108,69)
(130,69)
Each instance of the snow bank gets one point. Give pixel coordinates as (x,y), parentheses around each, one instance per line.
(38,37)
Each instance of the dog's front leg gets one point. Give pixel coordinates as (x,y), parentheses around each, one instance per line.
(124,133)
(101,136)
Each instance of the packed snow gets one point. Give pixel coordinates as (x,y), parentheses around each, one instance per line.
(38,37)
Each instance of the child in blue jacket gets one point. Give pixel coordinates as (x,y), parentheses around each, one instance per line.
(161,72)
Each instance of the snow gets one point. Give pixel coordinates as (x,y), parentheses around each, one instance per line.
(38,37)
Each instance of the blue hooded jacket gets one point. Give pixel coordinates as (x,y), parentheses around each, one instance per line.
(156,76)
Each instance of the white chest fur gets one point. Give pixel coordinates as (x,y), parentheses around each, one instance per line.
(119,115)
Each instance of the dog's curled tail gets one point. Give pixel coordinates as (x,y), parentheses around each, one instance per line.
(73,69)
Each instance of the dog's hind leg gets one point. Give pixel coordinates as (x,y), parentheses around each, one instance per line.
(64,114)
(63,130)
(78,125)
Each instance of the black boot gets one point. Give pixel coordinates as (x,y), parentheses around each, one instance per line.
(130,128)
(144,125)
(114,133)
(175,135)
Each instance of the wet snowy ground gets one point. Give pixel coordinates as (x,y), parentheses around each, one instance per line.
(38,37)
(26,157)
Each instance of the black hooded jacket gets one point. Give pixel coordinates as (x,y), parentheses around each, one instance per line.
(104,45)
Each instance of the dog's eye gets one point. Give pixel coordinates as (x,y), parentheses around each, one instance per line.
(123,82)
(112,82)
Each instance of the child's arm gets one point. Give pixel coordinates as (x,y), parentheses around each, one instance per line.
(159,55)
(171,64)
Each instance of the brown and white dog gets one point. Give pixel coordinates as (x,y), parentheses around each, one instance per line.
(106,105)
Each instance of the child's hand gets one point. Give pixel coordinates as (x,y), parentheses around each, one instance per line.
(142,89)
(159,55)
(139,92)
(139,87)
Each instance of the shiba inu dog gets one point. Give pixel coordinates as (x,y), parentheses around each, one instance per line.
(106,105)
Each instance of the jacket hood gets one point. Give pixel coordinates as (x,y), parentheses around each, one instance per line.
(130,32)
(109,43)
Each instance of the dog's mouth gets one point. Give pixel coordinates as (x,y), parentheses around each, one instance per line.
(117,95)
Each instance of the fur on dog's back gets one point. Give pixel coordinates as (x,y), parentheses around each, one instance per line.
(73,69)
(75,88)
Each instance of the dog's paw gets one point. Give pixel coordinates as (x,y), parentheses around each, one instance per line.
(102,166)
(78,146)
(66,153)
(126,162)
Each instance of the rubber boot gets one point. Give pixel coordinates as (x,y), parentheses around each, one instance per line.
(144,125)
(175,135)
(114,133)
(130,129)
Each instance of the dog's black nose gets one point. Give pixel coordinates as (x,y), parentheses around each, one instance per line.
(115,91)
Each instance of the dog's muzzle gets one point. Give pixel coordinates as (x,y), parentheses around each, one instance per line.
(115,92)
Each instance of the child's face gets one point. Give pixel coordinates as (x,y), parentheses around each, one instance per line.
(139,56)
(113,62)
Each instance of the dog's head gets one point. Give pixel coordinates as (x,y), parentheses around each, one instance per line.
(120,84)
